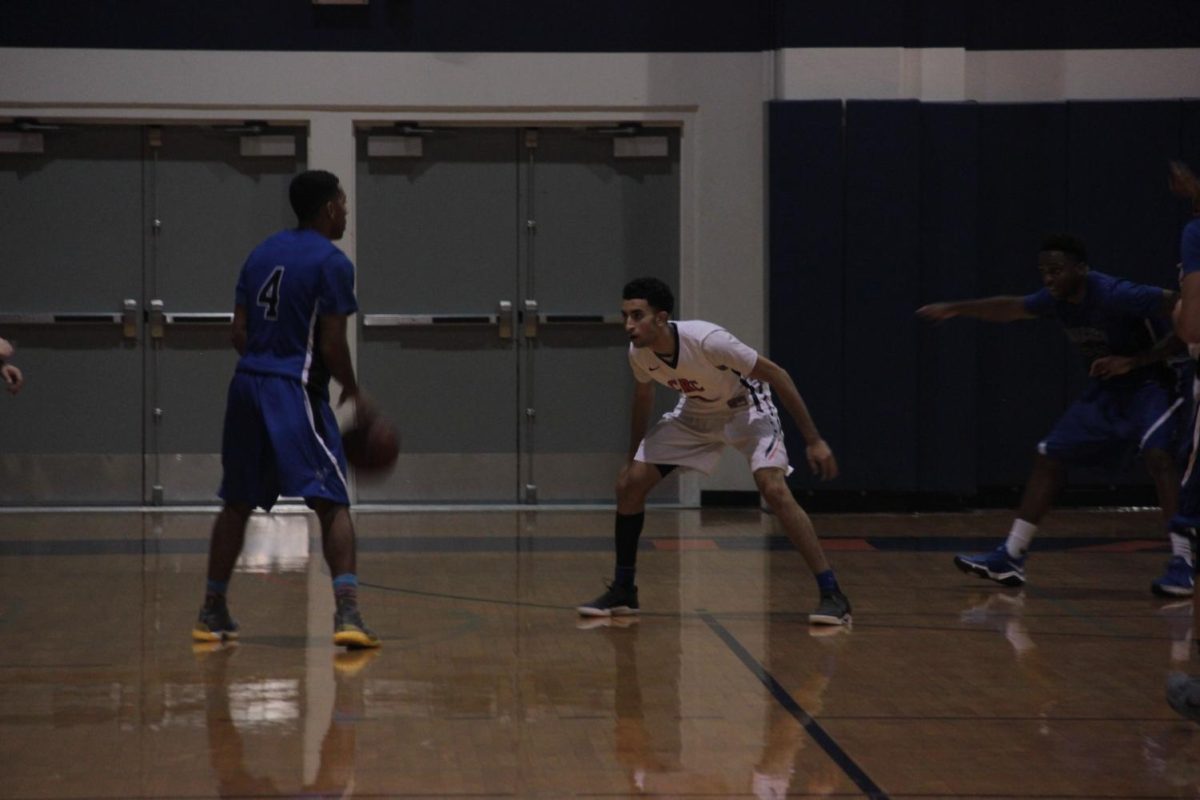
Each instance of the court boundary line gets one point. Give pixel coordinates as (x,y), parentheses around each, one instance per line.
(813,728)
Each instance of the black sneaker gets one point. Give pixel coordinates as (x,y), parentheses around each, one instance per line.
(214,623)
(617,601)
(349,630)
(834,609)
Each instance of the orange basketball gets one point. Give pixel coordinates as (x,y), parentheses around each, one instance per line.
(373,447)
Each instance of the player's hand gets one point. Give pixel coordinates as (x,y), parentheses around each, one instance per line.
(13,379)
(936,312)
(6,349)
(1111,366)
(365,409)
(821,460)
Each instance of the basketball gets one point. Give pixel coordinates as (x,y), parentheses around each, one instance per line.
(372,447)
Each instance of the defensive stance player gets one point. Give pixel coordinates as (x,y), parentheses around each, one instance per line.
(725,389)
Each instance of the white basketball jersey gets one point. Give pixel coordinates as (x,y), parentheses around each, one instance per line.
(709,369)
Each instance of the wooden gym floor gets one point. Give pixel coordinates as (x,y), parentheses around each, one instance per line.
(489,686)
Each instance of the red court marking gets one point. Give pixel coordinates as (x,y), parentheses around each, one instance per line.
(846,544)
(675,545)
(1132,546)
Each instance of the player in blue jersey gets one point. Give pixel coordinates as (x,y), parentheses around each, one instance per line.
(1122,330)
(1183,693)
(294,295)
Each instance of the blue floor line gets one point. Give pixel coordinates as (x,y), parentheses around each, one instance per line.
(818,734)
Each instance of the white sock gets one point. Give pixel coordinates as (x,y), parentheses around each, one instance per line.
(1019,537)
(1182,546)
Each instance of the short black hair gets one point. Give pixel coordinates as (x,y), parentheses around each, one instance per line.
(656,293)
(1066,243)
(310,190)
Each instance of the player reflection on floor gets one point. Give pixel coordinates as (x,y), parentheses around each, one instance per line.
(789,763)
(335,771)
(647,735)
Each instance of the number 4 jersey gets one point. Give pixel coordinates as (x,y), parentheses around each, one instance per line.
(286,284)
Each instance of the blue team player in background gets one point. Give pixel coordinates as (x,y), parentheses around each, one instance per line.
(294,295)
(1183,692)
(1123,331)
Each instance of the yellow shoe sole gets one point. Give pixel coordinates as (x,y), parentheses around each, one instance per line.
(355,638)
(205,635)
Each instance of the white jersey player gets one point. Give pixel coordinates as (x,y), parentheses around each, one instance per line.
(725,400)
(718,403)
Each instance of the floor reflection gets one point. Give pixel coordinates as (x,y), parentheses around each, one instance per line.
(237,709)
(275,543)
(647,736)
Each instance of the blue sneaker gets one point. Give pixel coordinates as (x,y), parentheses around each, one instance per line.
(996,566)
(1177,581)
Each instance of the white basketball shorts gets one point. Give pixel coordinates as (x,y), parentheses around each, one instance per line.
(695,441)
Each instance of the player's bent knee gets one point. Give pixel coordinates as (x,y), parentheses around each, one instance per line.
(773,487)
(636,481)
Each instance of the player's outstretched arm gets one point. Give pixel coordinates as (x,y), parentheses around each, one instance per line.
(820,457)
(6,350)
(989,309)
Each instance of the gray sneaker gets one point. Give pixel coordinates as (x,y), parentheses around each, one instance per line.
(1183,695)
(834,609)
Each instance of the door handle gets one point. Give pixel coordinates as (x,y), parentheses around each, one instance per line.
(505,317)
(199,318)
(529,320)
(425,320)
(580,319)
(129,320)
(157,320)
(61,318)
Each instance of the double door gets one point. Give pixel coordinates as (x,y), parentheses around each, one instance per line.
(490,269)
(121,247)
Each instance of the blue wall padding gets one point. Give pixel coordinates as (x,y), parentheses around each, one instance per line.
(882,280)
(894,204)
(806,244)
(946,368)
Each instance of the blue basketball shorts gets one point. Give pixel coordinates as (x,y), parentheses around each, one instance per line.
(279,440)
(1187,521)
(1109,418)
